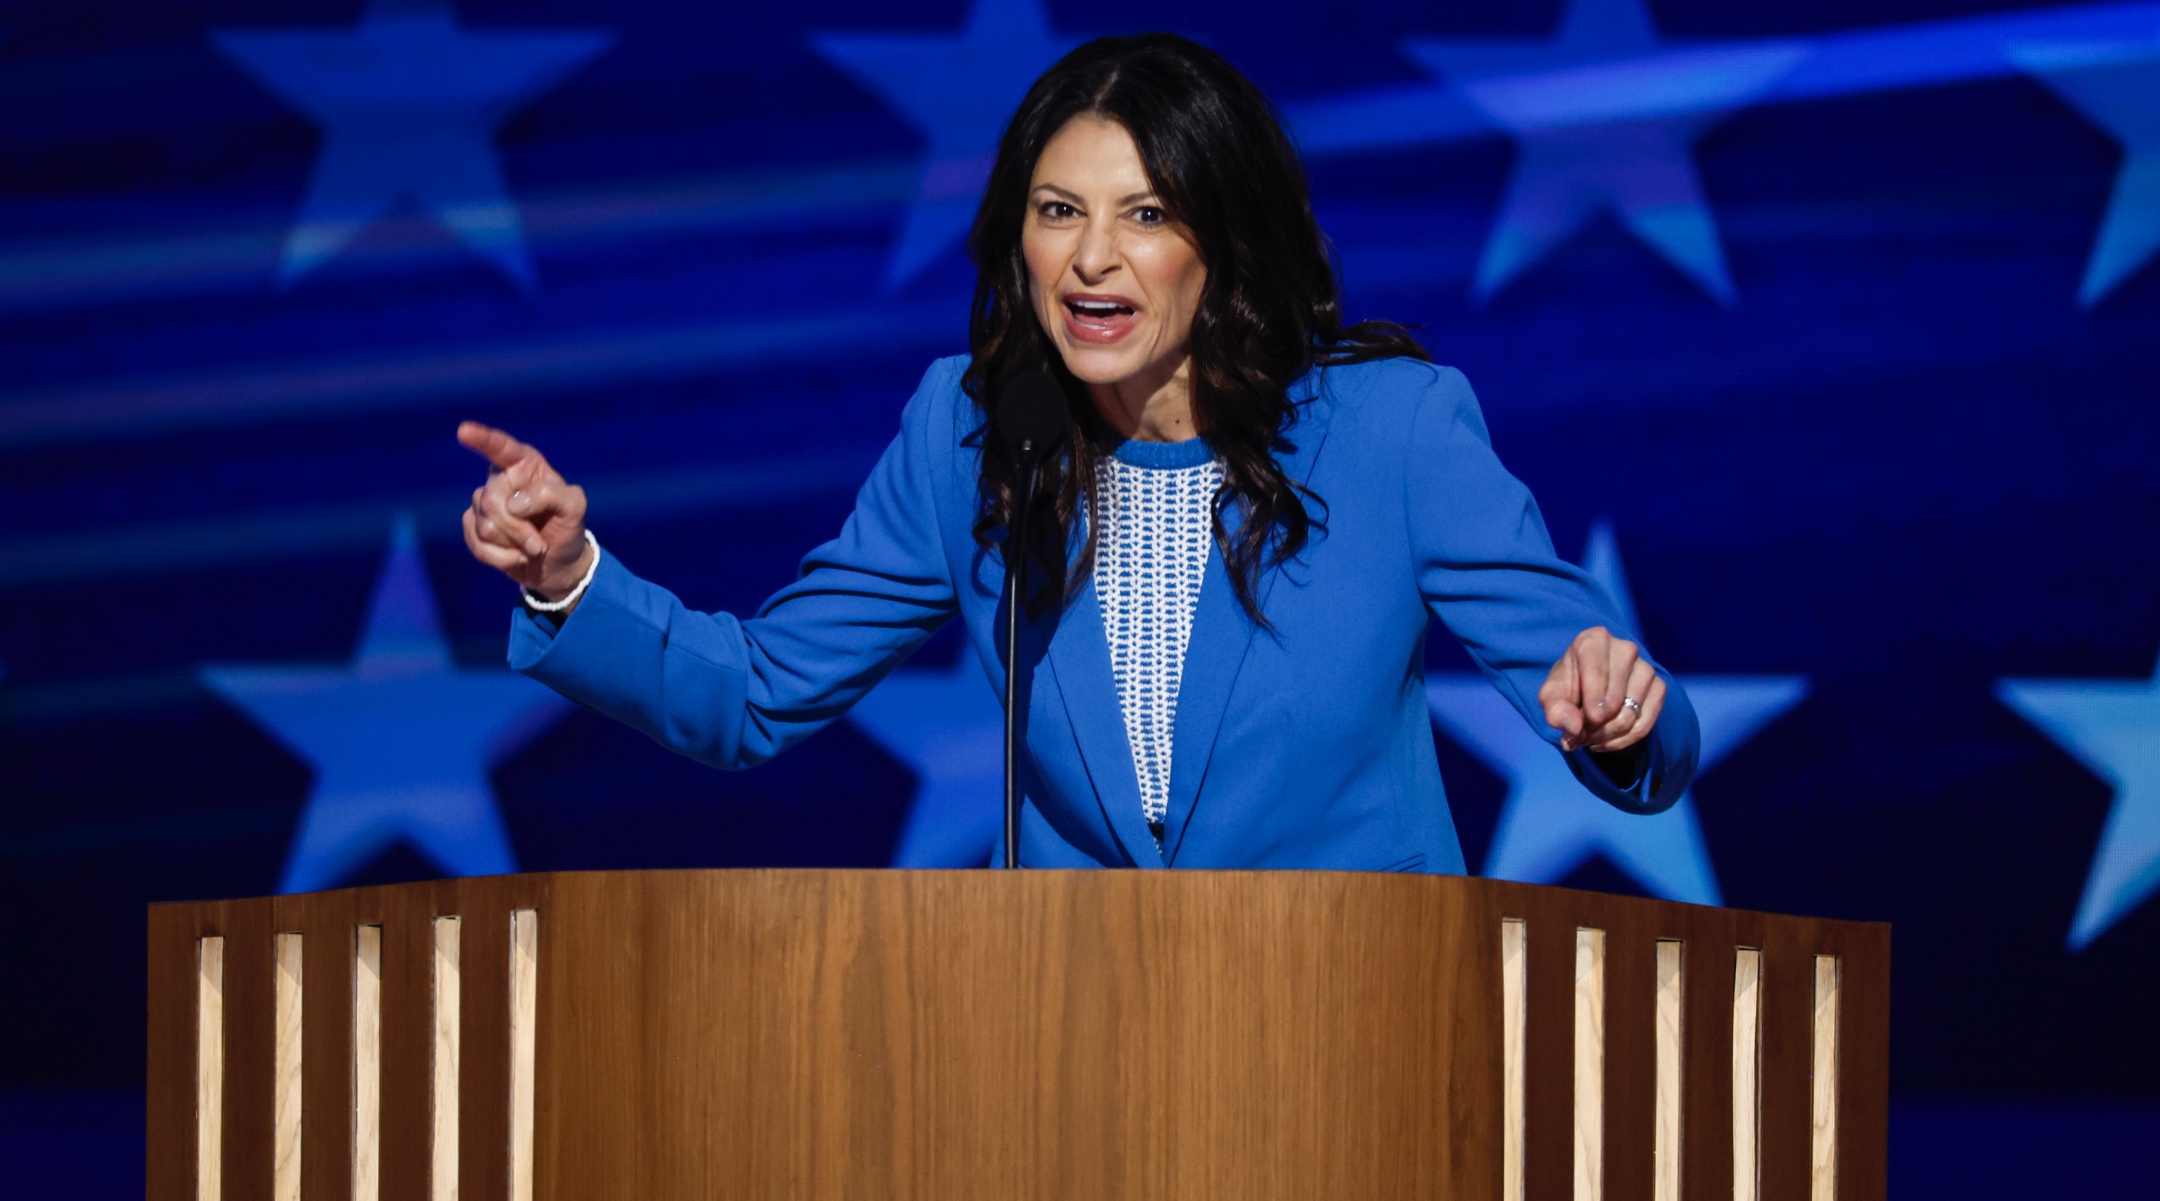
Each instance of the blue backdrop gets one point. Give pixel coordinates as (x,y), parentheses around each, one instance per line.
(1824,332)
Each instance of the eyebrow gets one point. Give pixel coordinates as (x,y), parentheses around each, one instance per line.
(1130,198)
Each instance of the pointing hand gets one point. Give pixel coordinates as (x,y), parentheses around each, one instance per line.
(525,521)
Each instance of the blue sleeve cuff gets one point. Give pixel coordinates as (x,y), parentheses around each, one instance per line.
(1668,763)
(630,651)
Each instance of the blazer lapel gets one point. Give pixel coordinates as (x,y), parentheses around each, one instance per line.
(1222,637)
(1080,662)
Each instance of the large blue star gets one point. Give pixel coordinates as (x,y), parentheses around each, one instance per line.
(401,740)
(2116,85)
(409,103)
(1549,825)
(1605,118)
(2113,727)
(958,91)
(946,724)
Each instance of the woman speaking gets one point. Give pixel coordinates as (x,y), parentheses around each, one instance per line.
(1233,561)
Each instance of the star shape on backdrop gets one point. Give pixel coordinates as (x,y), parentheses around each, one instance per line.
(1605,117)
(401,739)
(1549,824)
(409,102)
(948,725)
(2113,728)
(958,91)
(2117,86)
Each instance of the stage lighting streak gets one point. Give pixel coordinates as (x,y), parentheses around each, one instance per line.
(242,258)
(334,529)
(407,378)
(1841,64)
(245,258)
(1606,113)
(418,377)
(1417,114)
(1683,83)
(1953,51)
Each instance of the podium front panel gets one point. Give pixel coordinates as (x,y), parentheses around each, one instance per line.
(1034,1034)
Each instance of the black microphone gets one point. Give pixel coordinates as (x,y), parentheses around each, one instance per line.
(1032,420)
(1031,417)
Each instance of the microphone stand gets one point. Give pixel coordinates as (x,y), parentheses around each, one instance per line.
(1031,418)
(1015,578)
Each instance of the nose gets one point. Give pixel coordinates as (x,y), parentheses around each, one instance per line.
(1097,257)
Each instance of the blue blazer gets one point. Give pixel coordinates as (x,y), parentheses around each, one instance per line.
(1308,745)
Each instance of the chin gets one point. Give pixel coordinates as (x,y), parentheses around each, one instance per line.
(1102,365)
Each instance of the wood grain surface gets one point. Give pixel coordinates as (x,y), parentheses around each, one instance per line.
(1746,1086)
(209,1066)
(367,1063)
(286,1107)
(1514,1016)
(1589,1141)
(1671,1031)
(446,1059)
(1822,1098)
(960,1035)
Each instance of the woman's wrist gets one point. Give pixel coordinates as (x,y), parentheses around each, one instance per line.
(560,606)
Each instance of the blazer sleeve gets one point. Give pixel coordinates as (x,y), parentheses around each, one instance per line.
(1488,572)
(733,693)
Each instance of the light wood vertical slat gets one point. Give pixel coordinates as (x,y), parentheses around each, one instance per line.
(1514,1025)
(1671,999)
(1589,1065)
(443,1159)
(367,1064)
(1747,1075)
(286,1104)
(524,1031)
(1823,1107)
(209,1068)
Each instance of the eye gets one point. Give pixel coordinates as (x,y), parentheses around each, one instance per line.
(1055,210)
(1148,214)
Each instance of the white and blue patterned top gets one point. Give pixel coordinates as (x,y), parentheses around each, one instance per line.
(1156,502)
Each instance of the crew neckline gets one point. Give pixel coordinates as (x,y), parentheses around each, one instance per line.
(1192,452)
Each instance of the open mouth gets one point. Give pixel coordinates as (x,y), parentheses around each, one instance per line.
(1098,310)
(1095,319)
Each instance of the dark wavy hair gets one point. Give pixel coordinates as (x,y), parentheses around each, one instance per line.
(1270,311)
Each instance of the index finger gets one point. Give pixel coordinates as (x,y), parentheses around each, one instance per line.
(1562,698)
(1590,652)
(493,444)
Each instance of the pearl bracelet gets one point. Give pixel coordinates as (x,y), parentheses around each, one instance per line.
(535,602)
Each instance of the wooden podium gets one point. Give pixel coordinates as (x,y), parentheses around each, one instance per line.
(943,1036)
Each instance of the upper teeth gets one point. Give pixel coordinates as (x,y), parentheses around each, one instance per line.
(1098,306)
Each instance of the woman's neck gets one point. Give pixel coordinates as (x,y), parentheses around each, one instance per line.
(1151,407)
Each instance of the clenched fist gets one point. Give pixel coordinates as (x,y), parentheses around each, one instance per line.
(526,521)
(1602,694)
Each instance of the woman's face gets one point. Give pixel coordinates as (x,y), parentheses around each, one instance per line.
(1114,283)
